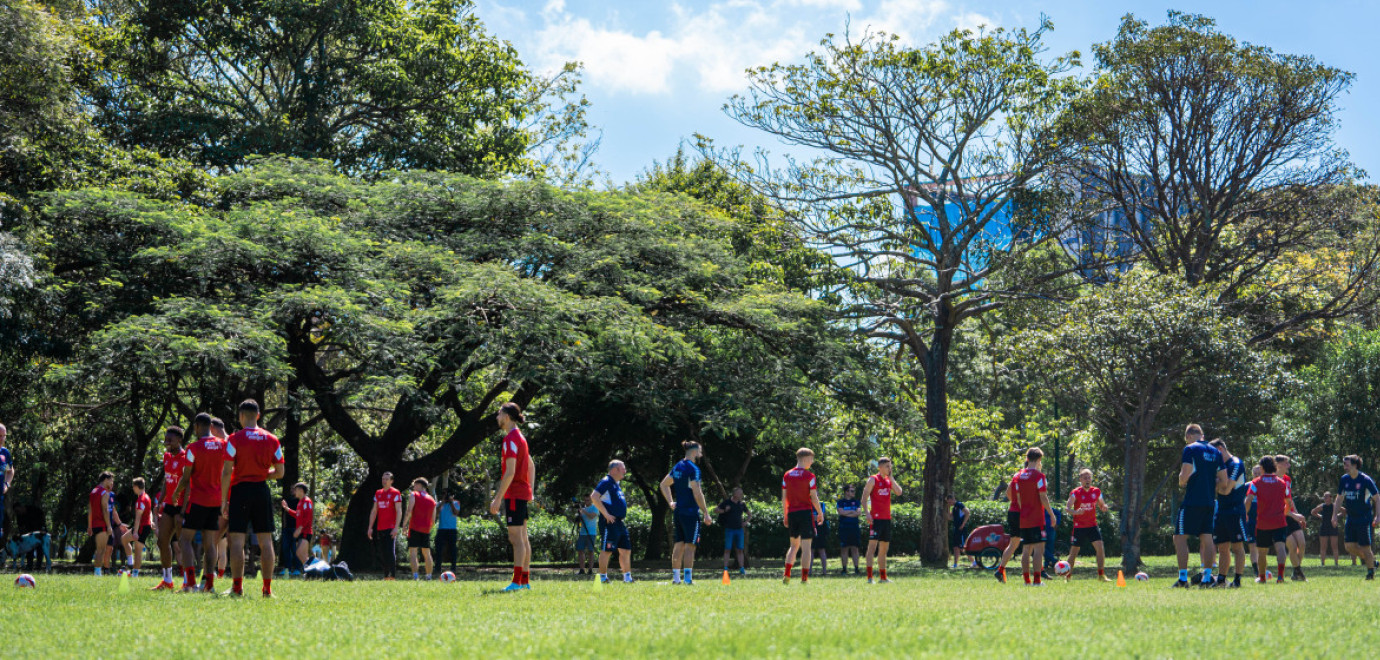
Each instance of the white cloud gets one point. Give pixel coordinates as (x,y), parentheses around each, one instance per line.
(908,19)
(972,21)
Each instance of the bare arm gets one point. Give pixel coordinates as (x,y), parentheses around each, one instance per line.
(1223,483)
(699,499)
(397,514)
(819,510)
(182,486)
(1044,501)
(1102,504)
(1317,511)
(373,513)
(509,474)
(666,482)
(226,472)
(785,509)
(895,487)
(598,499)
(1185,471)
(407,519)
(867,496)
(277,471)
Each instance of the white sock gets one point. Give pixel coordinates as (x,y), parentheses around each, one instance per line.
(675,576)
(627,577)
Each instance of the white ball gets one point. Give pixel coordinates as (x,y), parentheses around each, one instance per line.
(447,577)
(1062,568)
(25,580)
(1142,577)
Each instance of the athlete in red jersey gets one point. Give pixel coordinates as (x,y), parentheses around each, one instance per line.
(1013,526)
(800,511)
(1030,489)
(303,517)
(255,457)
(420,518)
(383,525)
(1271,496)
(170,509)
(514,492)
(101,519)
(1084,502)
(143,526)
(877,509)
(1295,524)
(205,466)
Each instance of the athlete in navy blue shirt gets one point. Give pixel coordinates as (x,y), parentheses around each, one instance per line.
(850,529)
(1229,529)
(1361,502)
(1202,476)
(681,488)
(613,534)
(6,475)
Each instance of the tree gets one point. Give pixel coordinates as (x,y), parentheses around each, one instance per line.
(1123,351)
(370,85)
(928,191)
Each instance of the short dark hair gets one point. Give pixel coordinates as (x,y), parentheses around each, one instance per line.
(1352,459)
(513,411)
(1218,443)
(301,485)
(138,483)
(422,481)
(249,405)
(689,445)
(1267,463)
(105,475)
(1282,458)
(803,452)
(217,422)
(202,419)
(175,430)
(1033,454)
(884,461)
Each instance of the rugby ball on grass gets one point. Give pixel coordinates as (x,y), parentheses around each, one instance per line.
(447,577)
(25,581)
(1062,568)
(1142,577)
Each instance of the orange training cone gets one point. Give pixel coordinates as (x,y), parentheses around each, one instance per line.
(1120,579)
(726,580)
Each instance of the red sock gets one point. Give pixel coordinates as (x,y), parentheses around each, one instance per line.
(805,574)
(268,582)
(210,582)
(1037,577)
(517,575)
(883,573)
(189,576)
(1280,573)
(220,572)
(238,585)
(869,572)
(1101,573)
(1027,576)
(788,570)
(526,576)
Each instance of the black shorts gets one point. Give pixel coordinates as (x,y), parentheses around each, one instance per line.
(1229,528)
(1360,533)
(1269,537)
(1250,530)
(418,539)
(850,537)
(1084,537)
(1327,530)
(1292,525)
(801,524)
(688,529)
(1195,520)
(1032,535)
(955,538)
(613,536)
(251,505)
(514,512)
(172,510)
(880,530)
(202,518)
(144,533)
(1013,523)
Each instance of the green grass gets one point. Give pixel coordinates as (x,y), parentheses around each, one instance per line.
(923,613)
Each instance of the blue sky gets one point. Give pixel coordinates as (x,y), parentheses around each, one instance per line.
(658,72)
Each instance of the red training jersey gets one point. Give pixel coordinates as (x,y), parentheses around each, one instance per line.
(1085,506)
(1029,483)
(385,499)
(423,506)
(97,516)
(207,457)
(254,452)
(880,501)
(515,446)
(143,511)
(304,516)
(1011,494)
(798,484)
(172,475)
(1272,501)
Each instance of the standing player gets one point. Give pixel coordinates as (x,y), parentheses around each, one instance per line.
(515,491)
(420,518)
(958,523)
(1361,504)
(254,457)
(1200,475)
(1085,501)
(202,475)
(101,520)
(1327,533)
(1030,491)
(143,526)
(383,526)
(800,511)
(1272,495)
(1294,523)
(733,512)
(1256,473)
(303,518)
(1229,529)
(170,508)
(850,529)
(6,475)
(681,488)
(1013,525)
(613,533)
(877,509)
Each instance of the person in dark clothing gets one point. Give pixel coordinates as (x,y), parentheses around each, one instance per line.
(1327,533)
(733,513)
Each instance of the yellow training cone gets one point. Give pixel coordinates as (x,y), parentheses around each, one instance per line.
(124,582)
(726,580)
(598,583)
(1120,579)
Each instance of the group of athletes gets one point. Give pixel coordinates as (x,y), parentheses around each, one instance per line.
(217,487)
(1229,515)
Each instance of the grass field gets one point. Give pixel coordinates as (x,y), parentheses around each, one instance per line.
(924,613)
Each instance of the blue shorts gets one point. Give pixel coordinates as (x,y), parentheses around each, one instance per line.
(614,536)
(733,539)
(584,543)
(1250,530)
(1359,533)
(688,529)
(850,536)
(1195,520)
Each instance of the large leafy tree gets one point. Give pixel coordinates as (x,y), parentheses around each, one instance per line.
(926,194)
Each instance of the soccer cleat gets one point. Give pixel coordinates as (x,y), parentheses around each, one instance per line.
(742,571)
(526,587)
(164,585)
(1000,574)
(1105,578)
(1261,580)
(1298,576)
(1234,585)
(604,579)
(1037,584)
(1180,584)
(513,587)
(190,589)
(231,593)
(786,579)
(869,580)
(1279,580)
(627,579)
(268,593)
(883,581)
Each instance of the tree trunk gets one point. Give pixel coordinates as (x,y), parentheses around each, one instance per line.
(1136,446)
(355,546)
(939,457)
(660,509)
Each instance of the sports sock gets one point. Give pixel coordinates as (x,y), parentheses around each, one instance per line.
(1101,572)
(517,575)
(788,570)
(98,570)
(1037,576)
(687,577)
(1183,575)
(268,581)
(210,582)
(883,573)
(1280,573)
(189,576)
(869,572)
(1026,575)
(416,577)
(627,577)
(1207,574)
(237,585)
(134,573)
(804,573)
(167,574)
